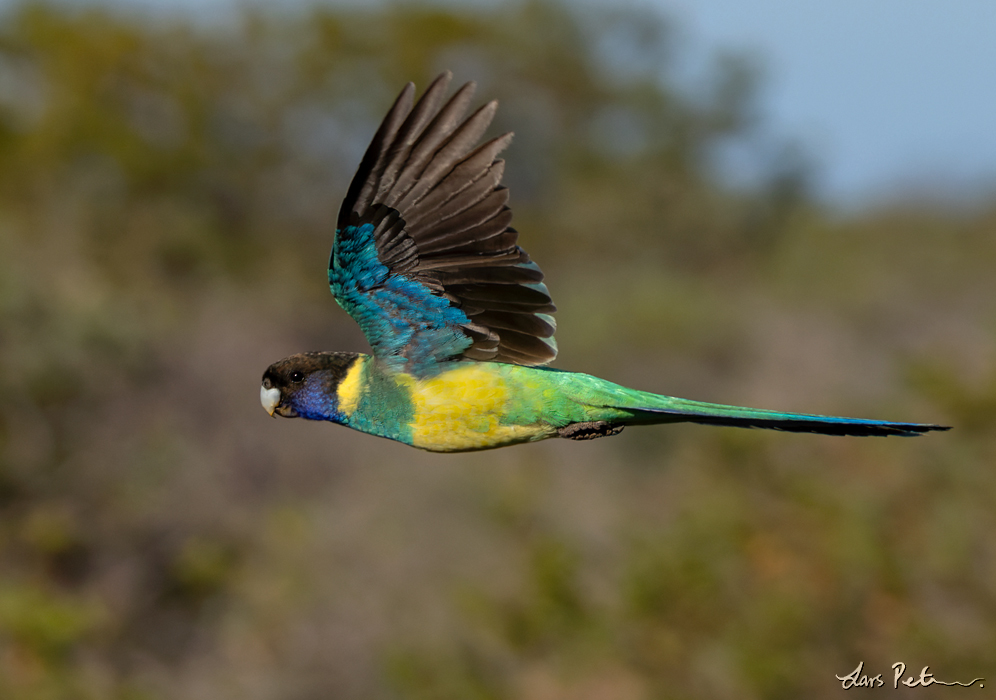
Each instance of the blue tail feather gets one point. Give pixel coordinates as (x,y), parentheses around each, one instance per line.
(714,414)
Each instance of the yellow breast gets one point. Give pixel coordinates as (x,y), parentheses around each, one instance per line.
(464,408)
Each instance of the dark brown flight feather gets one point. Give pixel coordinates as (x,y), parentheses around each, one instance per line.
(440,216)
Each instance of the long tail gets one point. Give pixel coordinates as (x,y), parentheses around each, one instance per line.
(622,406)
(735,416)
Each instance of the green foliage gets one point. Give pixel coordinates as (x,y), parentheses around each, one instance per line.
(167,192)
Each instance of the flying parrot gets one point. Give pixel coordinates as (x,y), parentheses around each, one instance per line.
(457,315)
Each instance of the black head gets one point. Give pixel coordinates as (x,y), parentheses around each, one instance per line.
(304,385)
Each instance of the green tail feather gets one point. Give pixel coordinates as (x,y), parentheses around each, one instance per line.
(619,405)
(735,416)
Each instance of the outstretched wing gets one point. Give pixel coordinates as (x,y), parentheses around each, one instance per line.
(424,258)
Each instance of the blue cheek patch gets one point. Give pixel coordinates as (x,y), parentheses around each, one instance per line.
(313,401)
(408,326)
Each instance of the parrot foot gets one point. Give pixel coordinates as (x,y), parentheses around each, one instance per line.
(589,430)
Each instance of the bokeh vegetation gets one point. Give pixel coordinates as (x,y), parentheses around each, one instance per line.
(167,193)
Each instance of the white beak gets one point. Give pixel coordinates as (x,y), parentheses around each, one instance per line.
(269,398)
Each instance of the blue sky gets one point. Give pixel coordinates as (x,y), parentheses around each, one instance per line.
(885,96)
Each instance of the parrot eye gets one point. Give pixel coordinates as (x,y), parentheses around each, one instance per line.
(297,376)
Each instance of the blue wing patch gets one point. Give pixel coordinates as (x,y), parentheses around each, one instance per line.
(425,258)
(409,328)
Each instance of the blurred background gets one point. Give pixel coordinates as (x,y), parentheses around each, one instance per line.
(169,179)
